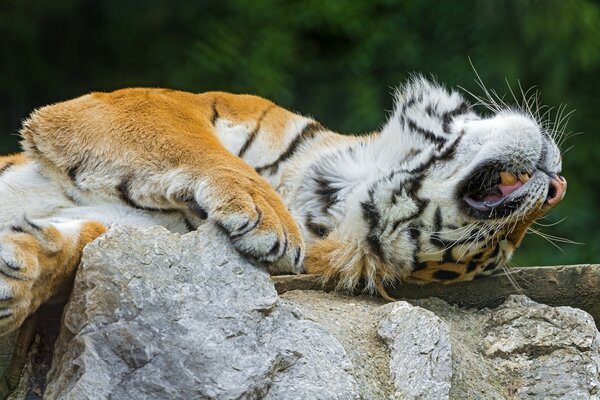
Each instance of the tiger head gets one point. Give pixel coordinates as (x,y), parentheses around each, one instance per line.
(475,183)
(443,194)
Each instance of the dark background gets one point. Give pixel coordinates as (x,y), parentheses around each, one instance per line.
(335,60)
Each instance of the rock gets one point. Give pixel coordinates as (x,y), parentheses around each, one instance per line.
(353,320)
(420,355)
(553,350)
(564,285)
(156,315)
(520,350)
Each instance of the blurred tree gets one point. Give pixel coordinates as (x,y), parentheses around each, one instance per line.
(335,60)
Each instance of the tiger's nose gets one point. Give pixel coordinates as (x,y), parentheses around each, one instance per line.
(557,190)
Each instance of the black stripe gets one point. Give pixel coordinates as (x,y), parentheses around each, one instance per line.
(215,113)
(373,217)
(447,154)
(185,196)
(297,256)
(472,266)
(6,167)
(279,247)
(418,265)
(490,267)
(436,238)
(448,257)
(252,134)
(496,251)
(411,102)
(70,198)
(79,167)
(196,209)
(449,116)
(72,173)
(188,225)
(17,229)
(32,147)
(427,133)
(33,225)
(445,275)
(327,193)
(437,220)
(10,276)
(415,234)
(317,229)
(123,189)
(411,188)
(309,131)
(429,110)
(6,315)
(12,266)
(248,226)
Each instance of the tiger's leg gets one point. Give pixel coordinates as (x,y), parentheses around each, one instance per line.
(38,261)
(169,159)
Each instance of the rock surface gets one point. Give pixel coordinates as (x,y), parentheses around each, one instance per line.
(157,315)
(520,350)
(420,354)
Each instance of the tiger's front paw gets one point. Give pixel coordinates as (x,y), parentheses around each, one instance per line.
(256,220)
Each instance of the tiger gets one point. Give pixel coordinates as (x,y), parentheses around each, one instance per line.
(441,193)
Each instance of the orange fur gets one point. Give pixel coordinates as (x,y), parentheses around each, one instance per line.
(129,128)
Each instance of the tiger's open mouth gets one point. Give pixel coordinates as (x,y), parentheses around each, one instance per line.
(493,193)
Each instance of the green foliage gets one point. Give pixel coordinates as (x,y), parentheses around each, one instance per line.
(335,60)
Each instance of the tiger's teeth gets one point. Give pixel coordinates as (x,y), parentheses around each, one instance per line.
(508,178)
(524,178)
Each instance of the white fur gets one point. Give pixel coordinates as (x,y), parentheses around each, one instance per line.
(25,190)
(265,150)
(232,135)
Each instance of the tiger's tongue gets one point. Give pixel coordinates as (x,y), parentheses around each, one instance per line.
(508,189)
(505,190)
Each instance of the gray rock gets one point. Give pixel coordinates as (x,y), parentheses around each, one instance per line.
(156,315)
(353,320)
(520,350)
(420,354)
(553,350)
